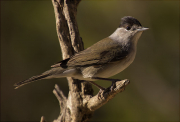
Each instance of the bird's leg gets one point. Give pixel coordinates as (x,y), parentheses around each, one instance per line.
(100,87)
(113,85)
(108,79)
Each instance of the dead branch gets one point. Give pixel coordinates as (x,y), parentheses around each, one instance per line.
(80,103)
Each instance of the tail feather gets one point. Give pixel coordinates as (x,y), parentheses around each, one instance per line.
(52,73)
(32,79)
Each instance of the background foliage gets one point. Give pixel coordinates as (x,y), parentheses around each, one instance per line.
(29,46)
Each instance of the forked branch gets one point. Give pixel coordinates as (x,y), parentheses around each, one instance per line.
(80,104)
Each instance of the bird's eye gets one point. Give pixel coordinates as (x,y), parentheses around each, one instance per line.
(128,27)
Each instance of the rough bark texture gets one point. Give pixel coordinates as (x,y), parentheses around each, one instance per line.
(80,103)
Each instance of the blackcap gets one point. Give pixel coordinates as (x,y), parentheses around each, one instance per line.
(100,61)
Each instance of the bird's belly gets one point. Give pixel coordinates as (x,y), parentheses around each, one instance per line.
(112,69)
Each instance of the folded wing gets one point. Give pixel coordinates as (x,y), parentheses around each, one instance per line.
(97,54)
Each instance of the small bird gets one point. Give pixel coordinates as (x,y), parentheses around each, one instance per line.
(100,61)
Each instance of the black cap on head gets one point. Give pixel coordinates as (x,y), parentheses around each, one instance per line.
(129,21)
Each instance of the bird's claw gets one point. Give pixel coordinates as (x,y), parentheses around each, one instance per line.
(111,88)
(113,85)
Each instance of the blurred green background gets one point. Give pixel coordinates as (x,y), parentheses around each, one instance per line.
(29,46)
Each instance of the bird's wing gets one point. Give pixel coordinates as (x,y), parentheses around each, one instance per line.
(98,54)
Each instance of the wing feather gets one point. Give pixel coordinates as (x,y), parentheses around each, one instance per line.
(98,54)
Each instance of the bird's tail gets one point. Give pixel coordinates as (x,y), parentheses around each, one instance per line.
(45,75)
(32,79)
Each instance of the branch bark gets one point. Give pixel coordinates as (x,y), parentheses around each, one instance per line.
(95,102)
(70,42)
(80,103)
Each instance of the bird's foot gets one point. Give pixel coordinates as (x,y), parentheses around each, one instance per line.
(111,88)
(113,85)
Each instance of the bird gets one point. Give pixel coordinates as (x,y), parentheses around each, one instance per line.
(100,61)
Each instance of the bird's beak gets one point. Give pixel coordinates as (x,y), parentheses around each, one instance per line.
(142,29)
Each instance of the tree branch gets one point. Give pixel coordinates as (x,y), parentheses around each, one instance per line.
(42,119)
(80,104)
(60,96)
(70,11)
(70,42)
(96,102)
(62,29)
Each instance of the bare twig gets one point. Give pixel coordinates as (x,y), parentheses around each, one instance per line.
(70,42)
(62,29)
(80,104)
(70,11)
(42,119)
(96,102)
(60,96)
